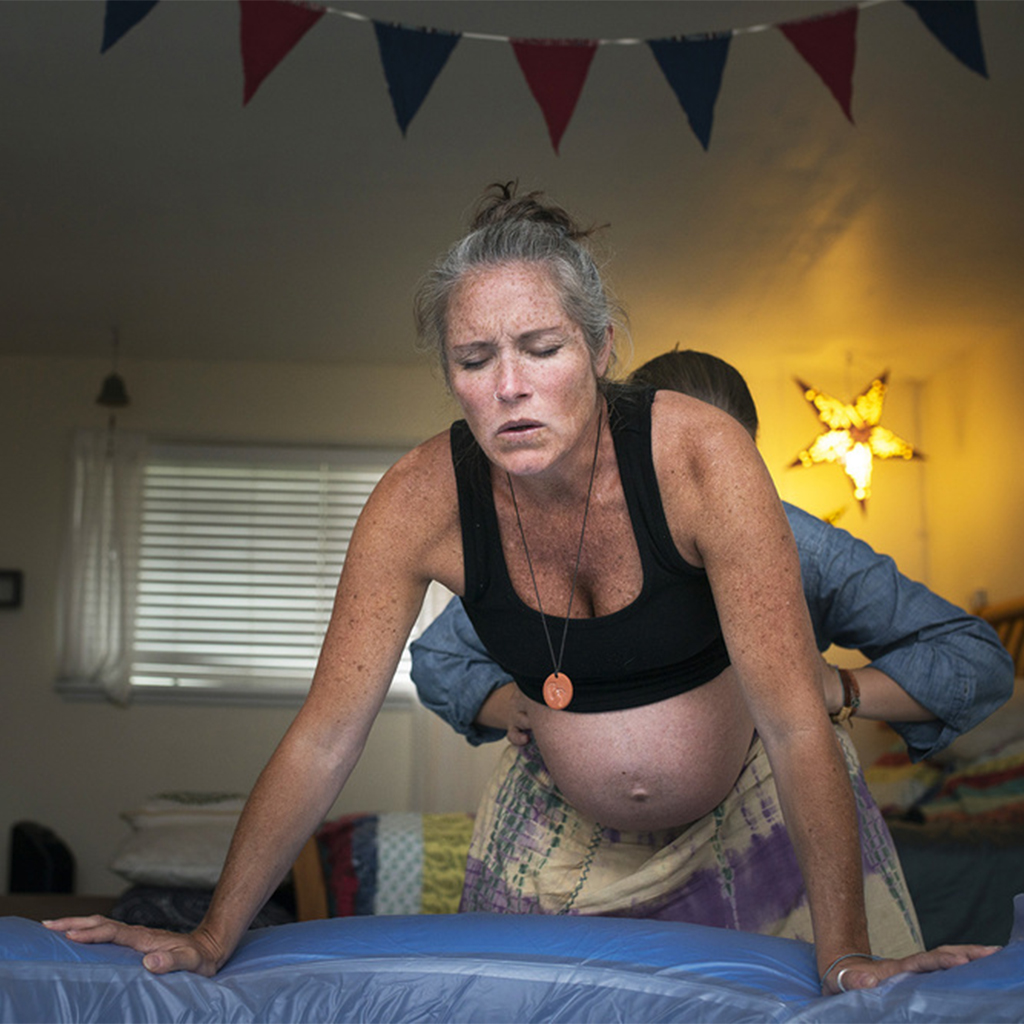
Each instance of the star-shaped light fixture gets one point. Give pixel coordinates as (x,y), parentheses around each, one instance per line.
(852,435)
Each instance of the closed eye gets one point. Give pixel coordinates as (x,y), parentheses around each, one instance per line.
(543,343)
(471,357)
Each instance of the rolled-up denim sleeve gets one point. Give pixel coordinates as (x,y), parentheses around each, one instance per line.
(951,662)
(453,673)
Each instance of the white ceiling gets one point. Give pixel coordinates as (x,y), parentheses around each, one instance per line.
(137,191)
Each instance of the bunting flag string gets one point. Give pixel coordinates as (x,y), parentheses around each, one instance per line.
(555,70)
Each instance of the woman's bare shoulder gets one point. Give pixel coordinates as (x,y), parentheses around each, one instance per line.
(416,506)
(431,456)
(422,480)
(708,469)
(687,432)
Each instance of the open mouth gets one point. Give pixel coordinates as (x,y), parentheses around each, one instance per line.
(518,427)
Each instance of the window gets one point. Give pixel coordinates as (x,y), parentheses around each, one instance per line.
(235,563)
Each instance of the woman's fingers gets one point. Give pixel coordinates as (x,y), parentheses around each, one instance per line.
(163,951)
(86,929)
(103,929)
(943,957)
(868,974)
(518,737)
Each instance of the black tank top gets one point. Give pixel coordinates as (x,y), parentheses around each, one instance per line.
(665,642)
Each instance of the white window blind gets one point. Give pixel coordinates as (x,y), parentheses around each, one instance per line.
(239,557)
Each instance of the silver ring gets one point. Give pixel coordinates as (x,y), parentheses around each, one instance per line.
(839,979)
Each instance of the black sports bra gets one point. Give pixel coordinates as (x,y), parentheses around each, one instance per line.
(665,642)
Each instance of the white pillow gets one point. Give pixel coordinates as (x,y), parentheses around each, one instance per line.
(185,808)
(190,855)
(178,839)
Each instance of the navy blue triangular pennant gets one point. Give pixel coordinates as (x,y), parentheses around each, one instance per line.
(955,24)
(412,59)
(122,15)
(694,66)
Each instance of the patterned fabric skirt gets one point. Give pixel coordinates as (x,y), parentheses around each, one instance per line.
(532,853)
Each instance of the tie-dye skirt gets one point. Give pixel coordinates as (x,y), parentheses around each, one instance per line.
(532,853)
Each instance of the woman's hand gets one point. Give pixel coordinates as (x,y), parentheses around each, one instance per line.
(163,951)
(518,715)
(860,972)
(505,708)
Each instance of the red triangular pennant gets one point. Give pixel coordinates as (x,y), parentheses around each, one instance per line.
(555,72)
(269,30)
(829,45)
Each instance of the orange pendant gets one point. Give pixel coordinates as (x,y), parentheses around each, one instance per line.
(557,691)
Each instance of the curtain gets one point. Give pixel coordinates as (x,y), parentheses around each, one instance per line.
(99,568)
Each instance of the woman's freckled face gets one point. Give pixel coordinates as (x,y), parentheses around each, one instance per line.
(519,367)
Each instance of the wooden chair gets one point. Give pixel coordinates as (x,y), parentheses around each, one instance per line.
(308,880)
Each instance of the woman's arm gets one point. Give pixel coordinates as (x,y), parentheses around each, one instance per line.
(398,544)
(725,515)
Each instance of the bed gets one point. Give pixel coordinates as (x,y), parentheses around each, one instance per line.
(365,930)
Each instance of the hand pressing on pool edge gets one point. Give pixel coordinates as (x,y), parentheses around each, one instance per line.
(163,951)
(857,971)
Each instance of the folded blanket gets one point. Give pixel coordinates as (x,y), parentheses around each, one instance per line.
(394,863)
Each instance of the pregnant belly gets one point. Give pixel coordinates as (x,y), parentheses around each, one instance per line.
(652,767)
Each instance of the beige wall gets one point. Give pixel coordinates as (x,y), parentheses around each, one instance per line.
(975,415)
(951,521)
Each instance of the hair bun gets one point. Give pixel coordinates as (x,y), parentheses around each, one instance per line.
(500,204)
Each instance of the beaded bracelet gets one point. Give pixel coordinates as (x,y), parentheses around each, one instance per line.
(851,696)
(846,956)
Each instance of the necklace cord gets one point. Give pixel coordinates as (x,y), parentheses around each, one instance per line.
(557,662)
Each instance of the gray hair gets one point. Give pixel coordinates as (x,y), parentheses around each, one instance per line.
(507,229)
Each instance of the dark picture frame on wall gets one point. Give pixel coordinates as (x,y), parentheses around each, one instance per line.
(10,588)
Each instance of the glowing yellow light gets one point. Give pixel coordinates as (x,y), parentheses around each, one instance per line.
(852,436)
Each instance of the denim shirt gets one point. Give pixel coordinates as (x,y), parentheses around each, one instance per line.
(947,660)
